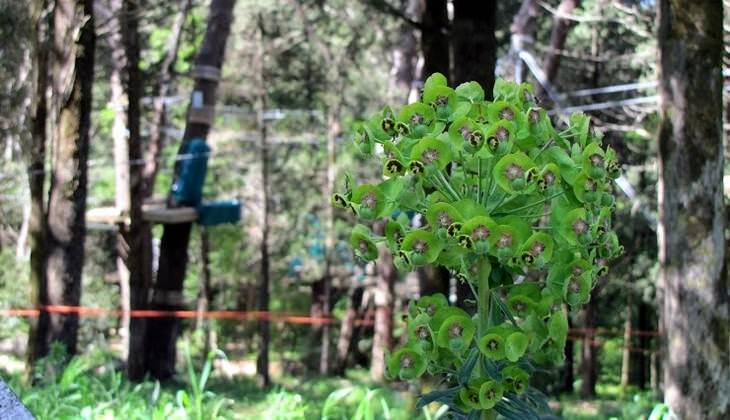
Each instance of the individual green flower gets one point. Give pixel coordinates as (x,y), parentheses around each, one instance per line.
(442,99)
(393,167)
(575,227)
(490,393)
(502,110)
(471,91)
(504,242)
(499,137)
(456,333)
(479,229)
(526,95)
(394,234)
(516,379)
(420,336)
(588,190)
(537,250)
(423,246)
(594,161)
(415,120)
(469,397)
(362,139)
(369,201)
(431,151)
(362,243)
(492,344)
(441,216)
(558,327)
(386,123)
(406,363)
(467,134)
(512,173)
(548,177)
(578,289)
(477,268)
(432,303)
(339,201)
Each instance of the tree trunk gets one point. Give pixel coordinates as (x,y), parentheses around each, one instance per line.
(125,87)
(141,233)
(167,295)
(347,329)
(523,31)
(589,351)
(384,300)
(405,55)
(567,375)
(694,302)
(434,39)
(473,42)
(262,361)
(314,352)
(640,360)
(561,27)
(628,334)
(73,75)
(36,156)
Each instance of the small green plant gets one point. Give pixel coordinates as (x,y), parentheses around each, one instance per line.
(518,210)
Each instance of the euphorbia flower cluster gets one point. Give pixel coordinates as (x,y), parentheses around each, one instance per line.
(512,206)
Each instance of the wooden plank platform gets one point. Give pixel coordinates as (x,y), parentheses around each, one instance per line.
(154,212)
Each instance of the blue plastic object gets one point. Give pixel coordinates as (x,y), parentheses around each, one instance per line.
(219,212)
(188,188)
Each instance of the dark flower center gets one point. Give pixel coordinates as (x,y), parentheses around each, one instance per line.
(506,114)
(430,155)
(596,160)
(455,330)
(416,119)
(505,240)
(369,200)
(537,248)
(422,332)
(406,361)
(444,219)
(502,133)
(480,233)
(580,227)
(430,309)
(574,286)
(513,172)
(441,101)
(493,345)
(534,116)
(420,246)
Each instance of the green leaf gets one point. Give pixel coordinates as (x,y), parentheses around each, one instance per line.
(471,91)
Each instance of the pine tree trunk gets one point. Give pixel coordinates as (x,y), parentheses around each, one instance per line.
(640,360)
(36,156)
(473,42)
(405,56)
(161,334)
(434,41)
(694,298)
(628,333)
(523,31)
(567,374)
(73,75)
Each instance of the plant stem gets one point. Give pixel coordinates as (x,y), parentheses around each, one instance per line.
(483,314)
(479,180)
(447,185)
(527,206)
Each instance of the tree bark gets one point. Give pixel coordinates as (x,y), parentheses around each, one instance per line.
(36,157)
(589,351)
(694,283)
(628,333)
(405,55)
(262,361)
(434,38)
(384,301)
(162,333)
(73,74)
(523,31)
(561,28)
(347,330)
(139,232)
(639,371)
(567,374)
(474,44)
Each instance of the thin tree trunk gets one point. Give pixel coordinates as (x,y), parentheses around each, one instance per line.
(589,351)
(691,231)
(262,362)
(384,301)
(139,232)
(473,42)
(347,329)
(523,31)
(626,357)
(73,75)
(162,333)
(561,28)
(434,39)
(313,355)
(205,292)
(640,360)
(36,156)
(568,377)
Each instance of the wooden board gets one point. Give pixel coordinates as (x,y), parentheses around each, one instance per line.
(153,213)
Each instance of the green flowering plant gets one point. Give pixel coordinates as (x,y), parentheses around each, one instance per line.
(518,210)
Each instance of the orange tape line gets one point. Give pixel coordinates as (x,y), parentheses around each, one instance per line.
(283,317)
